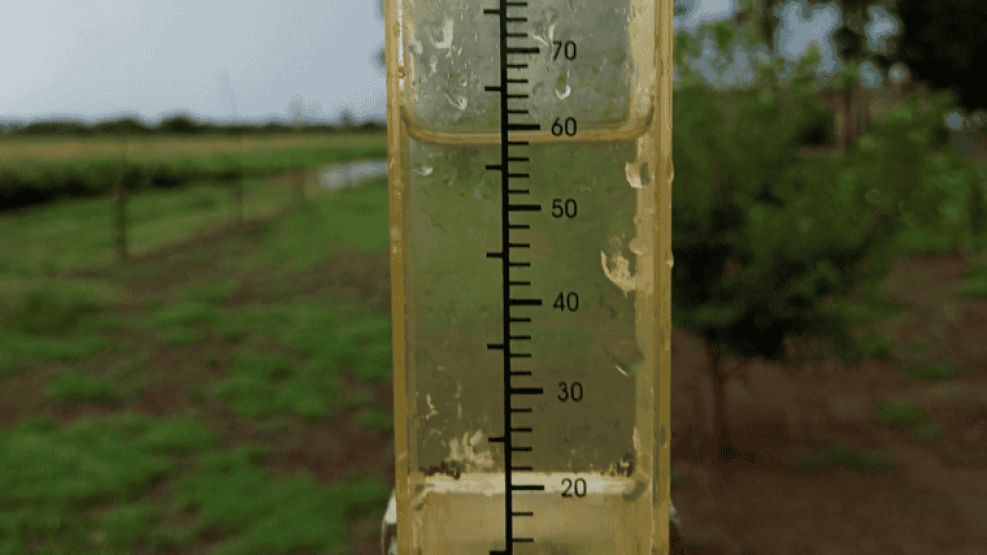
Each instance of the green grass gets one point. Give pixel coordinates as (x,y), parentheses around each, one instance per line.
(860,314)
(213,293)
(931,372)
(177,435)
(63,320)
(19,351)
(292,350)
(78,234)
(55,478)
(182,324)
(124,527)
(258,314)
(194,316)
(355,220)
(901,415)
(924,242)
(260,514)
(83,489)
(266,384)
(313,346)
(871,345)
(974,286)
(376,420)
(836,456)
(81,388)
(870,307)
(56,308)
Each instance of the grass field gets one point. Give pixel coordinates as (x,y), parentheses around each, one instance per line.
(79,234)
(206,396)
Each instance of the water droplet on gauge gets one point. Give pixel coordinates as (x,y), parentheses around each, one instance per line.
(460,102)
(562,88)
(448,26)
(633,173)
(551,16)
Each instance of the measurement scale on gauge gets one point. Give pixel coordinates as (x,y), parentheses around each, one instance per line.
(530,187)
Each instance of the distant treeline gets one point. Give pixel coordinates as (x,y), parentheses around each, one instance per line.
(175,125)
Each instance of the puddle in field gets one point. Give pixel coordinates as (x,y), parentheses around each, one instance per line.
(341,176)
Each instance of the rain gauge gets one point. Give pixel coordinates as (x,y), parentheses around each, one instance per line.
(530,168)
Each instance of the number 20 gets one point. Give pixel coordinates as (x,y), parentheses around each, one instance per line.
(573,488)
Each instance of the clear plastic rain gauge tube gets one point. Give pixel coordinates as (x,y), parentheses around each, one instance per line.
(530,218)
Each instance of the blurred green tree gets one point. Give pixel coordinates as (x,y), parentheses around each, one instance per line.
(769,240)
(180,124)
(945,44)
(128,125)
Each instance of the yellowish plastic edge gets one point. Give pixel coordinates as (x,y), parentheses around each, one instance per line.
(665,175)
(398,300)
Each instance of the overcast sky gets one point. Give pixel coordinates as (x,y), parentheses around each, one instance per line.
(101,58)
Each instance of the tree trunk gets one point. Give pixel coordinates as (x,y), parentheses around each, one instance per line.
(239,194)
(846,127)
(769,24)
(120,204)
(719,381)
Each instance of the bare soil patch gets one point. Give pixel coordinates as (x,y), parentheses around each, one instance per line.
(929,494)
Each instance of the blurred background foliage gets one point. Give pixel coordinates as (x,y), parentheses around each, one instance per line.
(775,222)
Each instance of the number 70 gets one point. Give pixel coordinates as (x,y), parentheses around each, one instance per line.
(566,49)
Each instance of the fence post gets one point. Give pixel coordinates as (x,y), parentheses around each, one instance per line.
(238,186)
(120,206)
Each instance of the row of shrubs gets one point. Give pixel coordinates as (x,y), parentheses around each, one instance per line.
(179,124)
(31,182)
